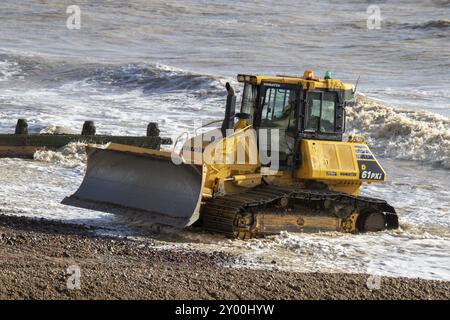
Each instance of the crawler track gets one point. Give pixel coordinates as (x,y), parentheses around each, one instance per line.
(270,209)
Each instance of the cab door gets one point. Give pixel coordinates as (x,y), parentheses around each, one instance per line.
(277,123)
(323,116)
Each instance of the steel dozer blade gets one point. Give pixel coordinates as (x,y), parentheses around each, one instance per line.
(140,179)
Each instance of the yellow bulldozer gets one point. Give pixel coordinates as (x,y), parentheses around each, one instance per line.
(277,164)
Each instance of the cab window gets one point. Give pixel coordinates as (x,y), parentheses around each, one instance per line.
(278,117)
(248,101)
(278,108)
(321,112)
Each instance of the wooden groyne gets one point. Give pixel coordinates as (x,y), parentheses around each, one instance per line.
(23,145)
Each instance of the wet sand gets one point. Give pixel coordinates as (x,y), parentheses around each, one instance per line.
(35,255)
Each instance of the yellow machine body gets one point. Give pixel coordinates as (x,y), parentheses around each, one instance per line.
(222,178)
(335,164)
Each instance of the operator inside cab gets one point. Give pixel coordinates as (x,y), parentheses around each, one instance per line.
(321,110)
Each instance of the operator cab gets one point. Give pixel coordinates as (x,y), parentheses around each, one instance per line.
(298,107)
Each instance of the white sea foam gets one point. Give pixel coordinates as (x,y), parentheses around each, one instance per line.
(390,253)
(53,129)
(72,155)
(8,69)
(401,133)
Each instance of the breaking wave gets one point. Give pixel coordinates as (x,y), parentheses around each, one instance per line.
(151,78)
(154,79)
(397,133)
(400,133)
(432,24)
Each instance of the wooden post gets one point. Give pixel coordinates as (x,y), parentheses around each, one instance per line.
(88,129)
(21,126)
(152,129)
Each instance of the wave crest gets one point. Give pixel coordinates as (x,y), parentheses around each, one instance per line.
(432,24)
(8,70)
(151,78)
(400,133)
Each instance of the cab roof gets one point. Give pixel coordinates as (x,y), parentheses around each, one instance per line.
(307,81)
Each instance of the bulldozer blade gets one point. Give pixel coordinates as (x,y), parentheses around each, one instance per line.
(144,181)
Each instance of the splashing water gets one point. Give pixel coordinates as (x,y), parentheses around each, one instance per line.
(72,155)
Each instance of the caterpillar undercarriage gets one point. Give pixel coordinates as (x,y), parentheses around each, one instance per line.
(267,210)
